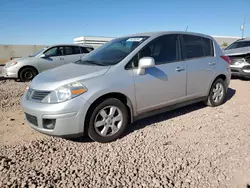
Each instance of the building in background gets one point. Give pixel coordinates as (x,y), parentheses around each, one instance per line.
(93,41)
(96,42)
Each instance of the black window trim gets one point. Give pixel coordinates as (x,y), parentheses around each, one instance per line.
(179,52)
(183,48)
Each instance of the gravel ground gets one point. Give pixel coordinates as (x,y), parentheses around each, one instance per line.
(196,146)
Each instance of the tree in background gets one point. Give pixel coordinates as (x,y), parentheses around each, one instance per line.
(224,44)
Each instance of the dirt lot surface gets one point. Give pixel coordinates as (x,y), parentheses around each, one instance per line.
(196,146)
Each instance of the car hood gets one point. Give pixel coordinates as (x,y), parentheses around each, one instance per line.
(57,77)
(237,51)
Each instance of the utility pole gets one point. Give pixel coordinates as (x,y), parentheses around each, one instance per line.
(242,29)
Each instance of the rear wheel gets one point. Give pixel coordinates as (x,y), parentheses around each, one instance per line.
(108,121)
(27,74)
(217,93)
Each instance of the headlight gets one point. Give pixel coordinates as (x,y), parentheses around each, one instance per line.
(14,63)
(11,64)
(65,93)
(28,92)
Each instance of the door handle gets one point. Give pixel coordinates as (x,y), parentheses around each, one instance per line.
(61,58)
(212,63)
(178,69)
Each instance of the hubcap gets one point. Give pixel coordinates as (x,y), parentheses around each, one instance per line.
(28,75)
(218,92)
(108,121)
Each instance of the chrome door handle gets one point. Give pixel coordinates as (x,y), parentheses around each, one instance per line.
(212,63)
(178,69)
(61,58)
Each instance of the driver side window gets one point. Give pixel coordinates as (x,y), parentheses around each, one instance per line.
(54,51)
(163,49)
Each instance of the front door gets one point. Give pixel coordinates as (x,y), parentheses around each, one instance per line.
(165,83)
(53,58)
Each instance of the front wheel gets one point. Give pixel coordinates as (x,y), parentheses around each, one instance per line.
(27,74)
(217,93)
(108,121)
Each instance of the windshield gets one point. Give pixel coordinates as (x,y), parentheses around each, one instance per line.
(113,52)
(240,44)
(38,52)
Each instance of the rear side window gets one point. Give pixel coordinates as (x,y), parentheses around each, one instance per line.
(197,47)
(86,49)
(76,50)
(71,50)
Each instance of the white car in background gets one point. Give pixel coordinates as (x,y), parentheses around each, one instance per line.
(239,53)
(27,68)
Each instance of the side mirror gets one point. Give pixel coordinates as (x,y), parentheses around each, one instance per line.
(43,56)
(145,62)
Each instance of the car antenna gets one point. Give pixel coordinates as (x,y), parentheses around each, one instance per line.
(186,28)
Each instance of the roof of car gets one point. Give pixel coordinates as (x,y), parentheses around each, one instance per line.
(244,39)
(160,33)
(83,45)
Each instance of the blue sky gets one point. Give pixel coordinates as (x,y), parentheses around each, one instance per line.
(59,21)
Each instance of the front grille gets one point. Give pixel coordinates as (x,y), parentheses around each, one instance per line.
(38,95)
(31,119)
(233,70)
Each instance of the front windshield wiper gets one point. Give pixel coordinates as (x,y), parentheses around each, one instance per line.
(90,62)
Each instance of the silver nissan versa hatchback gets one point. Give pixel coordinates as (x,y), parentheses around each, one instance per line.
(124,80)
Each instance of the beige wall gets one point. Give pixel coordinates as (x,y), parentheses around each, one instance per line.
(11,51)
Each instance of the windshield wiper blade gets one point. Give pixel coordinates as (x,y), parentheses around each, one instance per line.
(93,62)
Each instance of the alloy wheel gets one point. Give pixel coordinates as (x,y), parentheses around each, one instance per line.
(218,92)
(108,121)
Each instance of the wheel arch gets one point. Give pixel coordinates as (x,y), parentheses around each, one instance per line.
(221,76)
(123,98)
(27,66)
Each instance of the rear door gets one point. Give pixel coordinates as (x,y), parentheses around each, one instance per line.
(198,53)
(53,58)
(72,54)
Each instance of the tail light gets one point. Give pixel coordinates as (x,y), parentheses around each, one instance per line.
(226,58)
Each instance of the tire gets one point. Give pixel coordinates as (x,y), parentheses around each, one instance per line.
(211,100)
(27,74)
(102,122)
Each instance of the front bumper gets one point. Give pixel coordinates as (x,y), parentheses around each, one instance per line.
(68,116)
(241,71)
(10,72)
